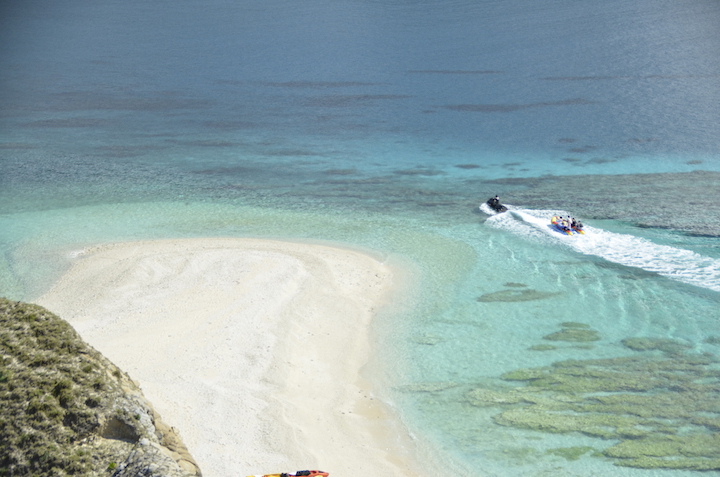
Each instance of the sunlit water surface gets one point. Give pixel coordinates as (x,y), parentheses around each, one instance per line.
(384,126)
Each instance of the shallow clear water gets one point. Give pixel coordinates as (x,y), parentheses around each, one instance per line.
(384,125)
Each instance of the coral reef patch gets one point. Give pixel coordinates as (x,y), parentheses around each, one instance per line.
(575,335)
(426,387)
(661,405)
(570,453)
(543,347)
(516,295)
(660,344)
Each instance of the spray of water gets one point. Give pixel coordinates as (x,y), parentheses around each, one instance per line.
(676,263)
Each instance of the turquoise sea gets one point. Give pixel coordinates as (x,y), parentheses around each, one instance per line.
(384,125)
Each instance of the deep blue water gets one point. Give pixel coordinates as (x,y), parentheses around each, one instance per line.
(384,125)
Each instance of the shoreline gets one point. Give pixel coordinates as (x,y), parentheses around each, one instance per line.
(252,348)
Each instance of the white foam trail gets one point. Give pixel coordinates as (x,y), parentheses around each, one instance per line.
(486,209)
(676,263)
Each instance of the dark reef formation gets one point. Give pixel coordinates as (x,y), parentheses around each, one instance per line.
(656,406)
(662,405)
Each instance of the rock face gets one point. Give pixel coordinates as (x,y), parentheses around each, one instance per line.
(150,459)
(67,410)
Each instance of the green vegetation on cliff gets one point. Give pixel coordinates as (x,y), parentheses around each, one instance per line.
(64,408)
(49,388)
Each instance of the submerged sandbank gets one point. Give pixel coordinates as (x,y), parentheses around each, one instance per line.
(251,348)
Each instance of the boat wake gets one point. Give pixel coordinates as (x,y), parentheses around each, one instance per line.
(676,263)
(486,209)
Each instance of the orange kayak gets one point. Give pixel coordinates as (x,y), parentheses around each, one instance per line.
(308,473)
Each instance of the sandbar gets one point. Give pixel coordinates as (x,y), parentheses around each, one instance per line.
(252,349)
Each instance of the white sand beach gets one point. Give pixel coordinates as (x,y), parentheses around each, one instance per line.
(252,349)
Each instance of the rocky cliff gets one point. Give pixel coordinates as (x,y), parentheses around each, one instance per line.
(66,410)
